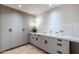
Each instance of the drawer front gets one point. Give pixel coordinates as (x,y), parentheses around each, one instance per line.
(62,47)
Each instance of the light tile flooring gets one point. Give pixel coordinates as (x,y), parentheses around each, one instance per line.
(26,49)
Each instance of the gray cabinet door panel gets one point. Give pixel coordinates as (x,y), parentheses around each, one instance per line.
(51,45)
(48,44)
(14,29)
(20,29)
(41,43)
(17,26)
(5,29)
(33,39)
(25,32)
(0,30)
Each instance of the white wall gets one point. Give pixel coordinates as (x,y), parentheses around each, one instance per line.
(65,18)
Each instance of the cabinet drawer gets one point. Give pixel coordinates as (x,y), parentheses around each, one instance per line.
(63,47)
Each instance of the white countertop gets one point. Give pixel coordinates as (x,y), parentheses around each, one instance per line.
(74,39)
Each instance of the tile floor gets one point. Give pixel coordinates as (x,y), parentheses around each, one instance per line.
(26,49)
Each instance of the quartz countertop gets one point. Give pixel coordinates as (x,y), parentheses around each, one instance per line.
(74,39)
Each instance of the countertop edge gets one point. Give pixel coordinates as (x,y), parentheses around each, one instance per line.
(74,39)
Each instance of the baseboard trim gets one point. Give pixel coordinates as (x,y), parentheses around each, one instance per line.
(40,49)
(23,45)
(14,47)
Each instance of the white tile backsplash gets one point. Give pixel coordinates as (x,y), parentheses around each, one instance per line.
(71,29)
(63,18)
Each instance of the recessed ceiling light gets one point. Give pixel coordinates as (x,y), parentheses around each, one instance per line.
(50,4)
(20,5)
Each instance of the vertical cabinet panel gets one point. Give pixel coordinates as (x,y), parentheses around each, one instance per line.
(17,29)
(41,42)
(48,44)
(14,34)
(5,28)
(0,30)
(25,29)
(33,39)
(51,45)
(20,29)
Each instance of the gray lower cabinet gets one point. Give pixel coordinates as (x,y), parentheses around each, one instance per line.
(49,44)
(33,39)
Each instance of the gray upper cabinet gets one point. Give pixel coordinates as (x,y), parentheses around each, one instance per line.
(11,28)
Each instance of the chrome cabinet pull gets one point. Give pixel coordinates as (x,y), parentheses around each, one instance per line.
(36,38)
(59,40)
(38,35)
(59,44)
(59,52)
(23,29)
(33,38)
(45,41)
(10,29)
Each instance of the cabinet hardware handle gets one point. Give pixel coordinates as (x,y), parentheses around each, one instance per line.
(23,29)
(36,38)
(10,30)
(38,35)
(59,40)
(59,44)
(34,34)
(45,42)
(33,38)
(59,52)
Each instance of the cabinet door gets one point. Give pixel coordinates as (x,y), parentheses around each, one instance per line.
(20,29)
(5,28)
(0,30)
(48,44)
(42,42)
(51,45)
(14,29)
(33,39)
(17,26)
(25,29)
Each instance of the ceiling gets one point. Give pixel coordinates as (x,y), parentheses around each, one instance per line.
(34,9)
